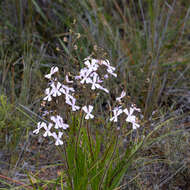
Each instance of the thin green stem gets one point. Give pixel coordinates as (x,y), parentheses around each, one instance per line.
(89,139)
(78,135)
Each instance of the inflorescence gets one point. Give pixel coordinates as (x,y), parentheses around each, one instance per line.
(89,76)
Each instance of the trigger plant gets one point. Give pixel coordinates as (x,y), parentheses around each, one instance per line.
(94,156)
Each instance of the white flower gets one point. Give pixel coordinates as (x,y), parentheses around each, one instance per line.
(55,89)
(110,69)
(85,77)
(39,126)
(92,64)
(122,95)
(130,112)
(48,128)
(85,72)
(49,94)
(93,81)
(88,111)
(131,118)
(53,70)
(116,111)
(70,100)
(58,120)
(58,138)
(135,125)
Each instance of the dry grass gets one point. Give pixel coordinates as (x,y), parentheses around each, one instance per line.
(147,41)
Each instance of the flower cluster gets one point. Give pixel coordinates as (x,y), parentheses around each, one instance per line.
(88,75)
(131,118)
